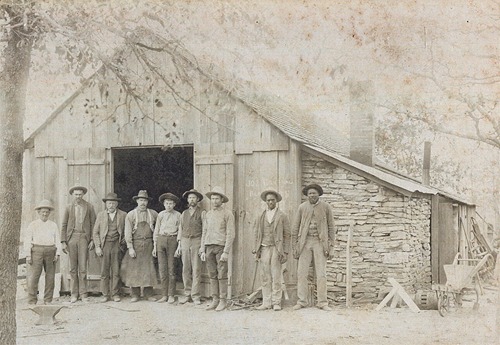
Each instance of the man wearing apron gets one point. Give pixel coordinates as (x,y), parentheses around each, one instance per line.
(138,269)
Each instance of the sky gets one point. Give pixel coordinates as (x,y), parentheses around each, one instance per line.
(418,54)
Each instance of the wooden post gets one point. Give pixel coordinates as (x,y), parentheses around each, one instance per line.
(348,299)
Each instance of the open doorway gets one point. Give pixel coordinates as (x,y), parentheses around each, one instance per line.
(154,169)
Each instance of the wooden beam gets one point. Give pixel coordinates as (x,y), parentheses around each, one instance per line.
(86,162)
(396,293)
(435,240)
(214,159)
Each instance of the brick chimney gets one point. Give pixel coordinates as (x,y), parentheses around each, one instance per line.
(361,118)
(426,175)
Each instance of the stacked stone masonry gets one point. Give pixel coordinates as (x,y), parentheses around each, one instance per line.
(391,236)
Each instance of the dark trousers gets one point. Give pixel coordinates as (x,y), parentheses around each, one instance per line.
(78,253)
(42,258)
(110,268)
(165,250)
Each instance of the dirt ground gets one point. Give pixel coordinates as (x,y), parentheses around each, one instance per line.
(154,323)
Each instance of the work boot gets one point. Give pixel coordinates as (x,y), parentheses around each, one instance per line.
(183,299)
(196,301)
(171,300)
(73,299)
(214,291)
(214,304)
(263,307)
(222,295)
(162,300)
(103,299)
(222,305)
(298,306)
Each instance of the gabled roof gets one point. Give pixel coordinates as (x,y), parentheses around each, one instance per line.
(270,107)
(405,186)
(290,121)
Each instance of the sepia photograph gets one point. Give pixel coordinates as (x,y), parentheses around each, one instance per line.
(249,172)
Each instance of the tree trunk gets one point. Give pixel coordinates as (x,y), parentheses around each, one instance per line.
(15,59)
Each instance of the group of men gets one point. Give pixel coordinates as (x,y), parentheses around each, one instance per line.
(195,236)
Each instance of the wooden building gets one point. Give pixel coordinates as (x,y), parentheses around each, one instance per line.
(201,129)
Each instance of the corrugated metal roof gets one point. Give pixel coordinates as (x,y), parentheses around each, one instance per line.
(397,181)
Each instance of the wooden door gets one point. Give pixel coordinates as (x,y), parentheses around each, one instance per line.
(89,168)
(214,170)
(444,237)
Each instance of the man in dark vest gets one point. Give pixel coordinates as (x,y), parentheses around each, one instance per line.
(76,238)
(189,238)
(272,243)
(107,234)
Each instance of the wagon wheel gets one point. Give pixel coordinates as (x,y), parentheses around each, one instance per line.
(443,304)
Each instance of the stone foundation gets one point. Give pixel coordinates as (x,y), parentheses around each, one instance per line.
(391,235)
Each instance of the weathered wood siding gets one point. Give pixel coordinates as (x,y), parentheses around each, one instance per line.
(234,148)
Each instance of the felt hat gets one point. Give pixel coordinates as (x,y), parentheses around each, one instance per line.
(193,191)
(168,196)
(218,191)
(111,197)
(270,191)
(143,194)
(312,186)
(77,187)
(44,204)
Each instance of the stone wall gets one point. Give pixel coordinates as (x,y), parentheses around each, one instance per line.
(391,236)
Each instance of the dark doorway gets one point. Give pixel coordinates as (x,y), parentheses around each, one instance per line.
(156,170)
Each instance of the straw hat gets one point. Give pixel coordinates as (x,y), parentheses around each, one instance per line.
(218,191)
(44,204)
(77,187)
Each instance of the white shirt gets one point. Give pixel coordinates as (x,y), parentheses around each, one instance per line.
(270,214)
(44,234)
(112,215)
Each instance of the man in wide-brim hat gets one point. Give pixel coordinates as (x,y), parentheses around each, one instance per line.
(108,233)
(138,269)
(313,235)
(42,246)
(76,237)
(189,237)
(165,245)
(315,186)
(216,243)
(272,244)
